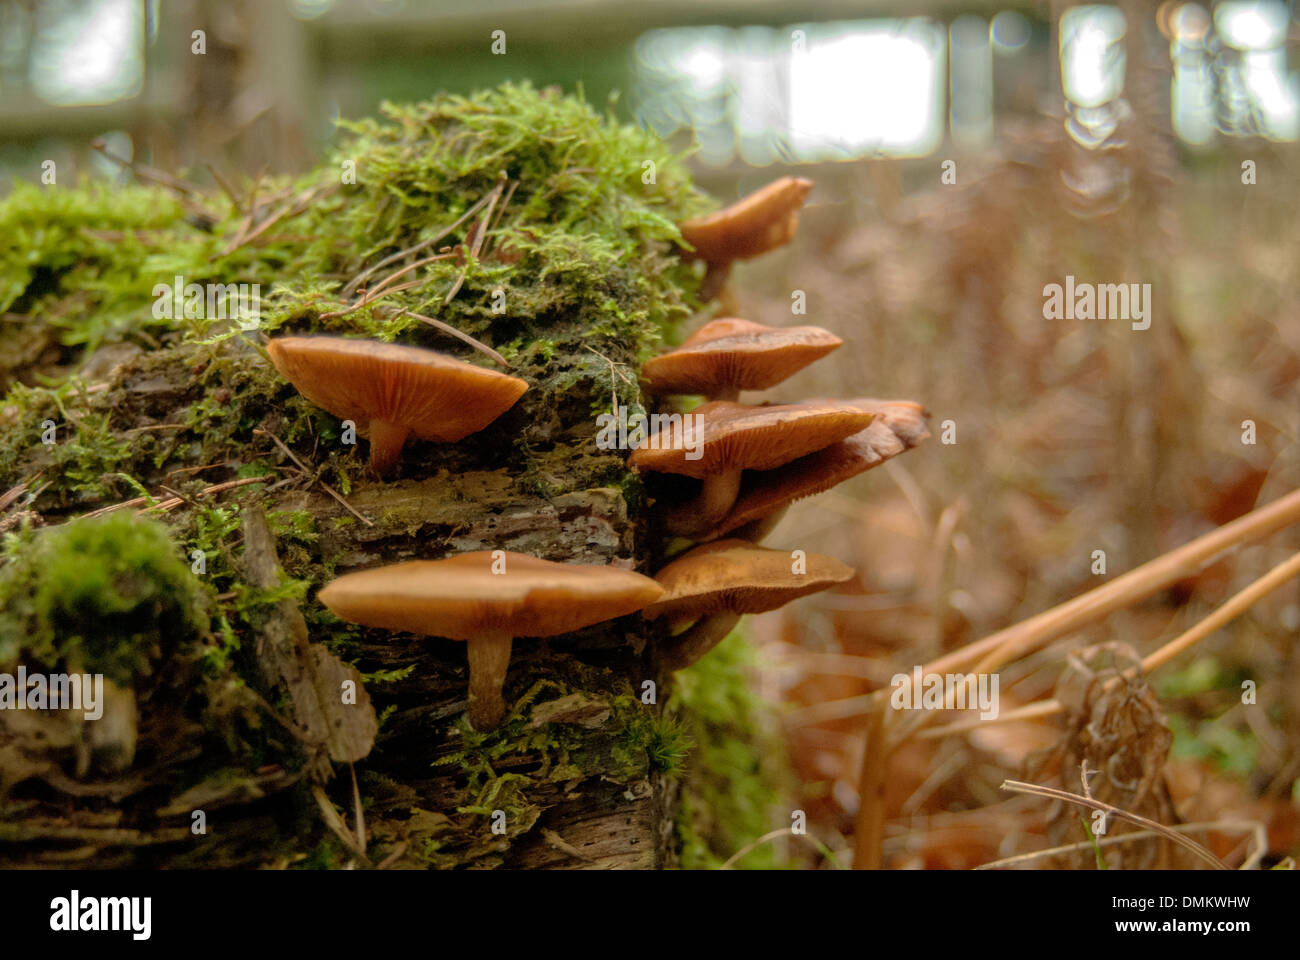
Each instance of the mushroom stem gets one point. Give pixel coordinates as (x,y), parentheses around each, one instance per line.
(717,497)
(688,647)
(715,279)
(386,440)
(756,530)
(489,659)
(730,393)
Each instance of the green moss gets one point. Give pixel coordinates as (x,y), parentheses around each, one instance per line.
(111,595)
(1232,749)
(654,742)
(584,252)
(732,791)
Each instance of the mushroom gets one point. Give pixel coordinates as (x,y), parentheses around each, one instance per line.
(762,221)
(727,438)
(765,495)
(728,355)
(714,585)
(392,391)
(487,598)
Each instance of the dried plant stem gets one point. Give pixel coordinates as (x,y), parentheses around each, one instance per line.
(1238,604)
(869,833)
(1029,635)
(478,345)
(422,245)
(291,209)
(368,299)
(824,850)
(1016,786)
(396,274)
(887,732)
(1255,827)
(1030,711)
(336,824)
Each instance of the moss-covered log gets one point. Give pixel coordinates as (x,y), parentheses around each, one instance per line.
(520,218)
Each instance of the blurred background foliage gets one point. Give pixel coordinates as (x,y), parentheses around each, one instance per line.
(1145,142)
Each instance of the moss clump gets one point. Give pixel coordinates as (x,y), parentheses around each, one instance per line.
(86,259)
(580,234)
(653,742)
(574,278)
(110,595)
(731,794)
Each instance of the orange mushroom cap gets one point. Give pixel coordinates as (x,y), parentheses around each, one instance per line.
(734,576)
(900,426)
(391,390)
(728,355)
(461,597)
(734,436)
(487,598)
(762,221)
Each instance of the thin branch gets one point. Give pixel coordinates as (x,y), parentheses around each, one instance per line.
(226,188)
(159,426)
(478,345)
(1238,604)
(824,850)
(1254,826)
(291,209)
(339,497)
(360,278)
(379,287)
(16,491)
(315,478)
(1029,635)
(166,505)
(369,299)
(501,211)
(477,244)
(1016,786)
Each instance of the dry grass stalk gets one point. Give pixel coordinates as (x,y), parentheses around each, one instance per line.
(1015,786)
(1240,602)
(1257,830)
(886,734)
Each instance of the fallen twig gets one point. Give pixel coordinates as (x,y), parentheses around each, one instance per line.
(478,345)
(1256,828)
(1016,786)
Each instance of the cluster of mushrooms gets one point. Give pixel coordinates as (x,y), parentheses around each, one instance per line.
(751,462)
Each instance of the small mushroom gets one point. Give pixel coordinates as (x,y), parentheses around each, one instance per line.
(487,598)
(764,495)
(713,585)
(720,440)
(762,221)
(392,391)
(728,355)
